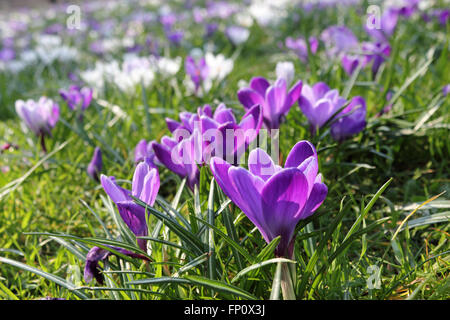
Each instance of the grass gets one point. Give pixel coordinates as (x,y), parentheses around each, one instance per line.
(203,247)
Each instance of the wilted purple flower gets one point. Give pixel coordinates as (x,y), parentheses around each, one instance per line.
(95,166)
(339,40)
(237,35)
(318,103)
(203,135)
(145,186)
(95,255)
(39,116)
(300,48)
(5,147)
(198,71)
(275,100)
(77,98)
(350,121)
(275,199)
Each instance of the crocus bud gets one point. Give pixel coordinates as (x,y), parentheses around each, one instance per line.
(95,166)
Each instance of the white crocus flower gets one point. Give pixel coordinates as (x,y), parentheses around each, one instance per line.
(285,70)
(219,66)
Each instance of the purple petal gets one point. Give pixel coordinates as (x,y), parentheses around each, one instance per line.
(299,153)
(112,189)
(249,97)
(261,164)
(260,85)
(284,196)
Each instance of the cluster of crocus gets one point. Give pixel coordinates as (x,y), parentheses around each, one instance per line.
(275,199)
(274,99)
(39,116)
(203,134)
(145,187)
(78,99)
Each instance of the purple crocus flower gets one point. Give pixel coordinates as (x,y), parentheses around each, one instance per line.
(351,62)
(376,53)
(275,100)
(350,121)
(145,186)
(339,40)
(168,20)
(77,98)
(175,37)
(7,54)
(442,16)
(300,48)
(318,103)
(275,199)
(198,71)
(95,255)
(387,25)
(210,29)
(39,116)
(405,8)
(204,134)
(446,90)
(144,150)
(95,166)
